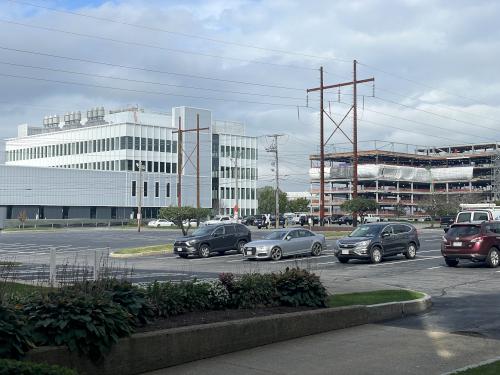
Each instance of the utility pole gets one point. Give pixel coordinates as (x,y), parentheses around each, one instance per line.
(274,149)
(180,159)
(139,201)
(354,140)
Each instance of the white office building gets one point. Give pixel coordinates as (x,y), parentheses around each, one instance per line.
(88,166)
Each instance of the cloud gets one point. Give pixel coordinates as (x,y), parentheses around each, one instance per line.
(438,60)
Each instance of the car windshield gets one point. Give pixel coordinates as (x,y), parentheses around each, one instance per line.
(366,231)
(203,231)
(277,235)
(464,231)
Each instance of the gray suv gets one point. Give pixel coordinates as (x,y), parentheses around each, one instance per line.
(377,240)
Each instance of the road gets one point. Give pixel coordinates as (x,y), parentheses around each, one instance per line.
(465,298)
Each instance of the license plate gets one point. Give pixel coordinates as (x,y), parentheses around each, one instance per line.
(179,249)
(345,252)
(457,244)
(249,252)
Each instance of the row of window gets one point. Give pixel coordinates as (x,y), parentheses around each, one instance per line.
(96,145)
(238,152)
(145,189)
(229,193)
(243,173)
(125,165)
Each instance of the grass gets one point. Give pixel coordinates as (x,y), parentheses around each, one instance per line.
(335,234)
(372,298)
(488,369)
(19,289)
(4,263)
(146,250)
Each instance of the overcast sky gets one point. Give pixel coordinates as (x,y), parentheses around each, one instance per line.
(434,63)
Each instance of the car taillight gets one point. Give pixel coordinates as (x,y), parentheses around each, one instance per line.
(476,240)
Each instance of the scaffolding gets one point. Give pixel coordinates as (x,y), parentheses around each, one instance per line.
(495,176)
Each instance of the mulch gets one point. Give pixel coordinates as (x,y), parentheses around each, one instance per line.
(205,317)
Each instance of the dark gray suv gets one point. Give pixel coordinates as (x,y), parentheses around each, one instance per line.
(377,240)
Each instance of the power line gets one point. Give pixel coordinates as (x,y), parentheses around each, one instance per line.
(152,46)
(147,92)
(149,69)
(176,32)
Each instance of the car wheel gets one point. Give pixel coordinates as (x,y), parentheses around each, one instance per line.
(184,256)
(276,253)
(451,262)
(241,245)
(316,250)
(493,258)
(343,259)
(376,255)
(411,251)
(204,251)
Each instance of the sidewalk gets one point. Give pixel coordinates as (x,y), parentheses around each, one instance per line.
(369,349)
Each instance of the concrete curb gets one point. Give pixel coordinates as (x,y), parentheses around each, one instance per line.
(473,366)
(115,255)
(150,351)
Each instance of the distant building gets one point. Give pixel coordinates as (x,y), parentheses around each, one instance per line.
(404,176)
(88,166)
(292,195)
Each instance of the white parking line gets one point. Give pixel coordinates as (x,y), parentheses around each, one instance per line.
(433,268)
(404,261)
(427,251)
(287,260)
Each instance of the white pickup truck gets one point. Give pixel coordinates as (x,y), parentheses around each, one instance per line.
(371,218)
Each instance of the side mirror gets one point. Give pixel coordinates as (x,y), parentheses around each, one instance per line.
(288,238)
(446,229)
(385,234)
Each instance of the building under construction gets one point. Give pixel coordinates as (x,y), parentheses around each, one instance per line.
(405,177)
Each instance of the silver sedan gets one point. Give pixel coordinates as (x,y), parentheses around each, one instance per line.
(285,242)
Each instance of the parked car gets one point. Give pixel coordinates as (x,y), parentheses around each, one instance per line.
(371,218)
(375,241)
(347,220)
(260,222)
(193,223)
(446,221)
(248,220)
(219,220)
(213,238)
(425,218)
(478,213)
(272,223)
(476,242)
(161,223)
(285,242)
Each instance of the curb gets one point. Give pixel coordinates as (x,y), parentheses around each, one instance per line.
(146,253)
(155,350)
(469,367)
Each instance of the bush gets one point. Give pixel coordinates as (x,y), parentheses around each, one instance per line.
(15,338)
(298,287)
(122,292)
(173,299)
(82,322)
(253,290)
(11,367)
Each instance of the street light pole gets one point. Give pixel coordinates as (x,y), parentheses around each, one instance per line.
(139,200)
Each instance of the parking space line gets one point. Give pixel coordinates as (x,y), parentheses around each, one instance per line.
(433,268)
(404,261)
(426,251)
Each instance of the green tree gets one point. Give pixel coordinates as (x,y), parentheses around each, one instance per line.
(180,214)
(298,205)
(267,200)
(359,206)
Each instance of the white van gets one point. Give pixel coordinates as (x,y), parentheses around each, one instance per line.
(477,213)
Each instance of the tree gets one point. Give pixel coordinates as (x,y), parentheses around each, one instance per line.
(298,205)
(359,206)
(22,217)
(180,214)
(267,200)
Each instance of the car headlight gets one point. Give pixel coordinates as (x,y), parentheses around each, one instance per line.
(191,242)
(363,243)
(261,248)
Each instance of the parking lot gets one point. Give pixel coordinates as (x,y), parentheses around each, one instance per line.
(465,298)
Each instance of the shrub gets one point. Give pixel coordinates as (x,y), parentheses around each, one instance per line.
(82,322)
(15,338)
(253,290)
(173,299)
(122,292)
(298,287)
(11,367)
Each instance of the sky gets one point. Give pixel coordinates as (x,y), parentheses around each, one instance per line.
(434,64)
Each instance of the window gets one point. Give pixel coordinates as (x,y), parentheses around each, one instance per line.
(93,211)
(157,189)
(169,146)
(222,153)
(174,147)
(107,144)
(174,167)
(155,166)
(162,145)
(150,166)
(219,231)
(222,193)
(232,193)
(150,144)
(399,228)
(480,216)
(229,229)
(143,144)
(137,143)
(156,145)
(162,167)
(145,188)
(168,190)
(130,165)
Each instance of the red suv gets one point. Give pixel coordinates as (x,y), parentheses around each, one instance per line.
(477,242)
